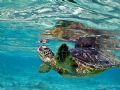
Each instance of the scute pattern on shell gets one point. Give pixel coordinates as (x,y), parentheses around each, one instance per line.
(91,57)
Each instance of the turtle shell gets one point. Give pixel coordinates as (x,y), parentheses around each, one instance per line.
(91,57)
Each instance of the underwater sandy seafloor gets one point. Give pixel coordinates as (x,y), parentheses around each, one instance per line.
(21,25)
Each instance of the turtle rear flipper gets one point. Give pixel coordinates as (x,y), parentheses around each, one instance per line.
(44,68)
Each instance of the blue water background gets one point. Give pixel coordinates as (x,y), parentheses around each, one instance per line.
(20,30)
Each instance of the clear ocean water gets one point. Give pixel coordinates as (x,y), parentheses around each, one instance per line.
(21,25)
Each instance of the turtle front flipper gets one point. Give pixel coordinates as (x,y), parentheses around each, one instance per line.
(44,68)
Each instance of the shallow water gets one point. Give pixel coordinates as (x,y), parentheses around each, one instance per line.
(21,25)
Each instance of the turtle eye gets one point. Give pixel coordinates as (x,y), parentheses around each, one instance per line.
(46,53)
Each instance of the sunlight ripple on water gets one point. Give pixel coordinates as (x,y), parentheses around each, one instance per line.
(21,25)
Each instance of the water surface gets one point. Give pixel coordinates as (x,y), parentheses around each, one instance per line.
(21,25)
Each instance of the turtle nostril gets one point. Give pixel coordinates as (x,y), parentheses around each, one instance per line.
(40,49)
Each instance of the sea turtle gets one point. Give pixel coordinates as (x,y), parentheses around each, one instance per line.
(84,60)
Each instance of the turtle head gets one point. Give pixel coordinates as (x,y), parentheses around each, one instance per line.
(45,54)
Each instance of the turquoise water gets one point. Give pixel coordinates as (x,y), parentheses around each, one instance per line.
(21,25)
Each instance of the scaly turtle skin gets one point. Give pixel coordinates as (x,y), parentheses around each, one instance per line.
(80,62)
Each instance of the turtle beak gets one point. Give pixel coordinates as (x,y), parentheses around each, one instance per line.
(40,52)
(39,49)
